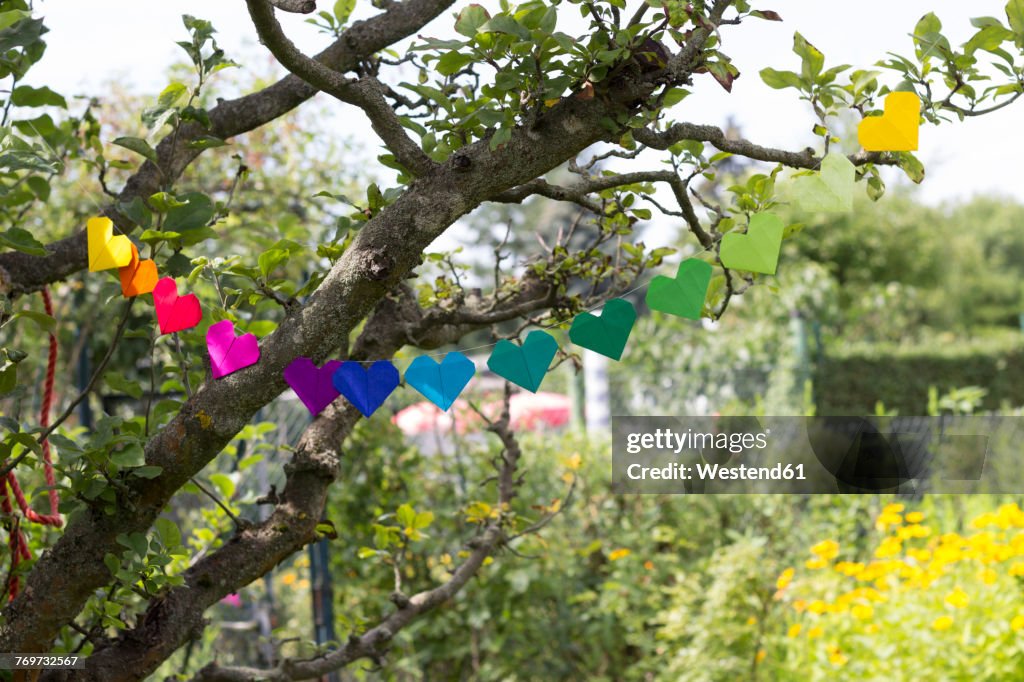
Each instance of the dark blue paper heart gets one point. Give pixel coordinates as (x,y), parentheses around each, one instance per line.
(366,387)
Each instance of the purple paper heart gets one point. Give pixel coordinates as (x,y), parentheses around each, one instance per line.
(229,353)
(311,383)
(366,388)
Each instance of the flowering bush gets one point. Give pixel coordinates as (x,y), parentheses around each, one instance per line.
(920,604)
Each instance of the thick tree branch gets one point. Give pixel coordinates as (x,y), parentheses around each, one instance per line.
(367,93)
(375,641)
(21,273)
(295,6)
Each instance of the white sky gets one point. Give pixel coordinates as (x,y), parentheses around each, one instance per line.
(93,42)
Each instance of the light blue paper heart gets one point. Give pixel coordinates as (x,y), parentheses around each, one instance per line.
(440,383)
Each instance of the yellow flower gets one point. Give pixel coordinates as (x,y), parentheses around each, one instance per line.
(288,578)
(799,605)
(573,462)
(649,565)
(914,517)
(761,655)
(957,599)
(1017,623)
(988,576)
(817,606)
(888,547)
(617,554)
(751,621)
(816,563)
(815,632)
(942,623)
(826,549)
(794,630)
(1017,568)
(894,508)
(303,584)
(785,578)
(836,657)
(862,611)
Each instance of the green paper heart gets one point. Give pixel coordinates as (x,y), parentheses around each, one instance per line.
(758,249)
(608,333)
(524,365)
(830,190)
(684,295)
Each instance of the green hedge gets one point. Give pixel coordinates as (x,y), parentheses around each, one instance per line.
(851,380)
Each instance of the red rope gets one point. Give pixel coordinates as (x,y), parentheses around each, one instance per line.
(17,541)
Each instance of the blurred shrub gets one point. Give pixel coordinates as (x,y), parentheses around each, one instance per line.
(853,379)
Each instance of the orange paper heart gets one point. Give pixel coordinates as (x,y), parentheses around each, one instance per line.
(138,277)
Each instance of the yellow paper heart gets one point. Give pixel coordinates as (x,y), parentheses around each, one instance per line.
(896,129)
(105,250)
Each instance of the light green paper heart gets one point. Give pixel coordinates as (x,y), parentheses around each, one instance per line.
(608,333)
(758,249)
(683,296)
(830,190)
(524,365)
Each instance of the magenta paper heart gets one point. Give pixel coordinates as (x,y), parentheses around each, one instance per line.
(229,353)
(311,383)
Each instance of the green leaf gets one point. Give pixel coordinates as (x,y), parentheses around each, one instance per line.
(171,95)
(137,145)
(206,142)
(911,166)
(42,320)
(272,259)
(22,33)
(27,96)
(22,240)
(129,456)
(343,9)
(224,485)
(471,18)
(406,516)
(506,24)
(1015,15)
(196,212)
(423,520)
(781,79)
(812,60)
(147,471)
(154,236)
(112,563)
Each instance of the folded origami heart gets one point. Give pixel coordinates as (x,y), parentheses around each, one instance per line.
(830,190)
(896,129)
(608,333)
(440,383)
(758,249)
(105,250)
(175,313)
(366,387)
(138,277)
(524,365)
(684,295)
(230,353)
(313,385)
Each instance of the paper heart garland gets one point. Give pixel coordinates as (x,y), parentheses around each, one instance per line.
(138,277)
(608,333)
(524,365)
(366,387)
(440,383)
(683,296)
(105,250)
(230,353)
(313,385)
(758,249)
(175,313)
(830,190)
(896,129)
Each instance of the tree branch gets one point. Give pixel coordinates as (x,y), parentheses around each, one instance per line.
(21,273)
(367,93)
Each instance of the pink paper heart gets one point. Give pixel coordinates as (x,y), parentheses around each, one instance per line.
(175,313)
(229,353)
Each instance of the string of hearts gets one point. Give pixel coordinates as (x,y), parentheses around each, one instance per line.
(830,189)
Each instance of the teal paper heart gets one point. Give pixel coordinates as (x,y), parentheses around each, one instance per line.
(524,365)
(684,295)
(608,333)
(758,249)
